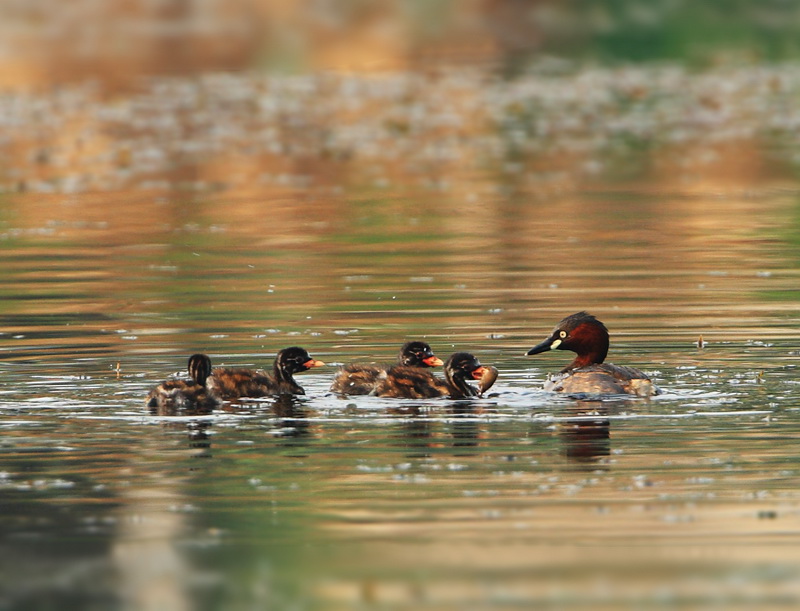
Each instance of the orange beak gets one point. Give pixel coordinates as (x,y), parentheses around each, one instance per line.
(313,363)
(433,361)
(478,373)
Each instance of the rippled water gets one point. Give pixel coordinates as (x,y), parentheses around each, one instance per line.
(688,500)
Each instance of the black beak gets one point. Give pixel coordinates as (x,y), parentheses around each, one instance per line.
(544,346)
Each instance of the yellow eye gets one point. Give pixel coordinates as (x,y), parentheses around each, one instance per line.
(562,334)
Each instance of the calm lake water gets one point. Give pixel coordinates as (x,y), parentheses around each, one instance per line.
(689,500)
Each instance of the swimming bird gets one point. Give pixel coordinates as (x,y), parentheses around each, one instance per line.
(231,383)
(361,379)
(416,383)
(583,334)
(185,394)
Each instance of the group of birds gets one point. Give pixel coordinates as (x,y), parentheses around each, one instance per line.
(410,377)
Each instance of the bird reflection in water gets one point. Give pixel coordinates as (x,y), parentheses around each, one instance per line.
(585,433)
(196,428)
(421,433)
(465,427)
(293,418)
(416,430)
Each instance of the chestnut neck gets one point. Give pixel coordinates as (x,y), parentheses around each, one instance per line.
(590,343)
(584,360)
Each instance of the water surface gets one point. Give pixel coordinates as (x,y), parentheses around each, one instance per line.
(688,500)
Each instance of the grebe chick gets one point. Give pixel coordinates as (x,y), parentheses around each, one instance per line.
(583,334)
(185,394)
(416,383)
(362,379)
(231,383)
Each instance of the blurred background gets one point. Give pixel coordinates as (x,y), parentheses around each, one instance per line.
(48,43)
(249,94)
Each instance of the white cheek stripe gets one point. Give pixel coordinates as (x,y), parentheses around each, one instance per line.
(555,344)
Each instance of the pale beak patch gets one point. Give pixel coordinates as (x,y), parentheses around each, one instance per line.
(555,344)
